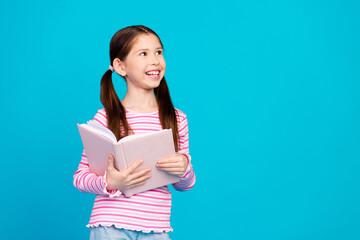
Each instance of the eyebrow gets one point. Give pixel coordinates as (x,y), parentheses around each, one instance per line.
(146,49)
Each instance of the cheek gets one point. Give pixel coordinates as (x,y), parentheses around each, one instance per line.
(164,64)
(163,72)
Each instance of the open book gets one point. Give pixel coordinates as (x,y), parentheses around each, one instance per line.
(100,141)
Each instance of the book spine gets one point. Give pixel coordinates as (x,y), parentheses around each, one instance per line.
(123,155)
(120,162)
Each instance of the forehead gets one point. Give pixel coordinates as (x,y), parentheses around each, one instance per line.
(146,41)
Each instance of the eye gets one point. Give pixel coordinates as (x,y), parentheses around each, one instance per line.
(142,54)
(159,52)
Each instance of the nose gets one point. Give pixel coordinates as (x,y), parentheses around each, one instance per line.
(155,60)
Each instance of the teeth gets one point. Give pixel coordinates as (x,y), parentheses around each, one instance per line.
(153,73)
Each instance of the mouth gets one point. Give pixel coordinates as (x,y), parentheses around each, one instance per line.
(154,74)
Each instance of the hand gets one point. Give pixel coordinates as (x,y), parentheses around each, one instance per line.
(126,178)
(175,165)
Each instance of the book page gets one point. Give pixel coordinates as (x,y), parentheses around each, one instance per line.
(100,129)
(134,136)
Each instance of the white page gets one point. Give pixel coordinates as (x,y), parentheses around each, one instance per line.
(100,129)
(133,136)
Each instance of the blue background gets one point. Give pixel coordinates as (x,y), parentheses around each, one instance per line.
(271,90)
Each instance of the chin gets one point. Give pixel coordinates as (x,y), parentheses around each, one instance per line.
(155,84)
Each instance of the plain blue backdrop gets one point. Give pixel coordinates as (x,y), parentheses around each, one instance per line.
(271,90)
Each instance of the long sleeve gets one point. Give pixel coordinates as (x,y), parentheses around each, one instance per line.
(147,211)
(89,182)
(187,180)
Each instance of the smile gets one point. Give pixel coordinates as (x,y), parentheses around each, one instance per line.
(153,73)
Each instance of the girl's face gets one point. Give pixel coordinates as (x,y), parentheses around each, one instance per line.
(144,66)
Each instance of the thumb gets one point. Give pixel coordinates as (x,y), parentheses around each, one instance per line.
(111,161)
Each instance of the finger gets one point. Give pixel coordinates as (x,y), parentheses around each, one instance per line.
(134,165)
(169,165)
(173,172)
(140,183)
(139,174)
(168,160)
(179,164)
(171,169)
(140,179)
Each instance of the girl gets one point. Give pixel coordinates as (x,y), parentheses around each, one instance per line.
(136,53)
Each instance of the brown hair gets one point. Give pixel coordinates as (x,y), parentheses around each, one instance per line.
(120,46)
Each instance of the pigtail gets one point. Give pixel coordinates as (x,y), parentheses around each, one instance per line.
(115,111)
(167,113)
(120,47)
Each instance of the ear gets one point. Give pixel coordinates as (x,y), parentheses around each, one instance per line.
(119,67)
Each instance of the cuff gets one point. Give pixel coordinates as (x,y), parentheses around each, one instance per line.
(110,193)
(188,169)
(189,166)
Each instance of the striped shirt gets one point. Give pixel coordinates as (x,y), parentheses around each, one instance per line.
(146,211)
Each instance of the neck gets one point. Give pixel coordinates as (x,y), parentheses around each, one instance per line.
(140,100)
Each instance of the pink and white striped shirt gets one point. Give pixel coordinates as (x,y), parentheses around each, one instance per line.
(147,211)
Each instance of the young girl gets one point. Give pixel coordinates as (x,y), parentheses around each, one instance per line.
(136,53)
